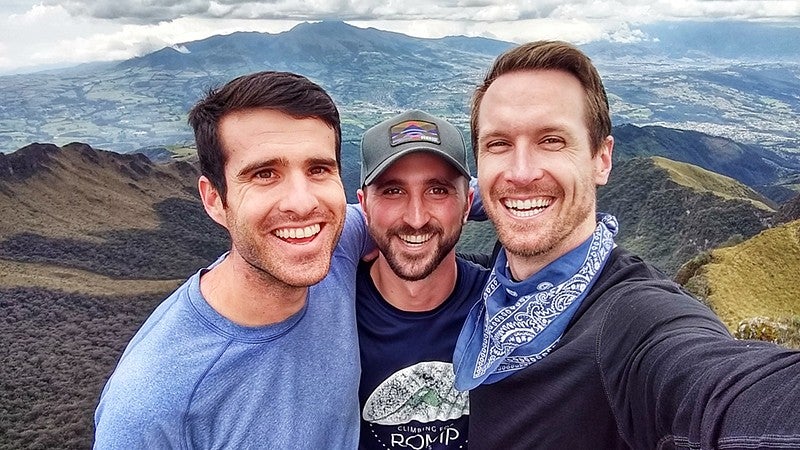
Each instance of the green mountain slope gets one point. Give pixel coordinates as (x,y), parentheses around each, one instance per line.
(702,180)
(670,211)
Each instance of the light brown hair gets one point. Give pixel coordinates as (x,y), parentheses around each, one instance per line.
(551,55)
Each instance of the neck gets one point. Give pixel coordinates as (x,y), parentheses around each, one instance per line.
(248,297)
(523,267)
(415,296)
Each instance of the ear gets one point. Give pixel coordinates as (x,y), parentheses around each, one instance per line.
(363,203)
(212,202)
(468,206)
(602,161)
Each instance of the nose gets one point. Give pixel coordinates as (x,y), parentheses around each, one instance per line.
(416,213)
(526,167)
(299,195)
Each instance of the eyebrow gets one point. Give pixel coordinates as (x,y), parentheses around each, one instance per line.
(482,136)
(321,162)
(489,135)
(428,182)
(275,162)
(261,164)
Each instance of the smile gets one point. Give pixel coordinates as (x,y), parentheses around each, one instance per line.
(298,233)
(528,207)
(416,239)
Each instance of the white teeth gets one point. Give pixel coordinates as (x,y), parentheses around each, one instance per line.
(526,208)
(415,238)
(298,233)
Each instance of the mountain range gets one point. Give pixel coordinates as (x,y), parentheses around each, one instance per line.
(669,78)
(775,175)
(100,219)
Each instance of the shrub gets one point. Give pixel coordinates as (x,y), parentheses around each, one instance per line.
(785,332)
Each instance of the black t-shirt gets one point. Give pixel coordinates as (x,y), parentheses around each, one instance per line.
(406,393)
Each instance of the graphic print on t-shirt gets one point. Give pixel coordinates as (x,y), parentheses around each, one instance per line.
(418,408)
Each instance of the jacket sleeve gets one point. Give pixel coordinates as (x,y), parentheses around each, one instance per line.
(675,377)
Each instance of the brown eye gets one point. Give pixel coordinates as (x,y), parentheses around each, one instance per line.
(264,174)
(552,143)
(392,191)
(498,146)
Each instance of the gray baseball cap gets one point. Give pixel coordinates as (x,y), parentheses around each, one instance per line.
(409,132)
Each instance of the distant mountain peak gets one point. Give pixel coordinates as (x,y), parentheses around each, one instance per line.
(324,25)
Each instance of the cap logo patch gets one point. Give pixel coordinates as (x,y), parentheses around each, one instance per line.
(414,131)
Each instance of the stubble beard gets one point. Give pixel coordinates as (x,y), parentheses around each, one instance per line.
(271,268)
(415,268)
(528,242)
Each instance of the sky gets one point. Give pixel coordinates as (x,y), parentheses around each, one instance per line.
(59,33)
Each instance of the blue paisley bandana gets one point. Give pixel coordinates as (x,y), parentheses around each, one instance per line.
(518,323)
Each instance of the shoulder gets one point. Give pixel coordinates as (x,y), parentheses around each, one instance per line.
(354,238)
(470,283)
(635,302)
(146,401)
(471,268)
(153,384)
(482,259)
(141,411)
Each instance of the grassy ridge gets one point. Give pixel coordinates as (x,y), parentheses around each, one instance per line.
(759,277)
(15,274)
(666,221)
(703,180)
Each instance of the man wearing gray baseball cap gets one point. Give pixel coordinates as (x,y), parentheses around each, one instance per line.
(411,131)
(412,300)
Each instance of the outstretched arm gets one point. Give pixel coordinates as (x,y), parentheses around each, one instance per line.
(672,371)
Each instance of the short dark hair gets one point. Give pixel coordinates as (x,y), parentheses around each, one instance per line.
(551,55)
(286,92)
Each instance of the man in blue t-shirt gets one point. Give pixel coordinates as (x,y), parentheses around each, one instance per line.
(259,350)
(413,299)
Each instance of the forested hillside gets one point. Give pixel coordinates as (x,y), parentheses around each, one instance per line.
(668,211)
(90,242)
(58,350)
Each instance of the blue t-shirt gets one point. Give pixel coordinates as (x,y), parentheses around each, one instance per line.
(407,395)
(190,378)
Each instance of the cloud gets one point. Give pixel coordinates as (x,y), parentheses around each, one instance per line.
(147,11)
(29,37)
(155,11)
(67,32)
